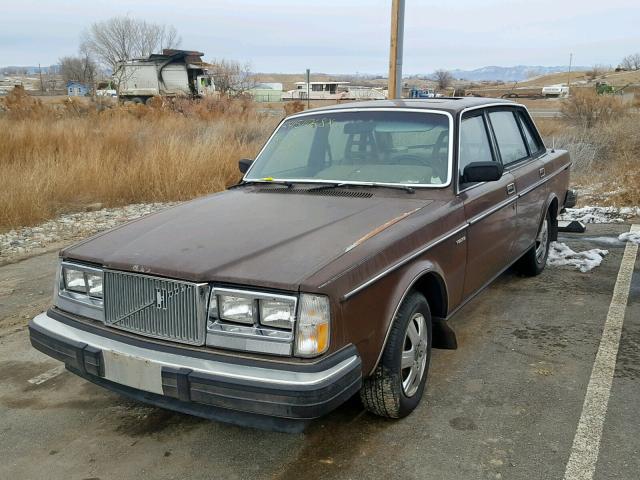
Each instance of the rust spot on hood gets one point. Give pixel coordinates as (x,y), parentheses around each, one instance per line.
(379,229)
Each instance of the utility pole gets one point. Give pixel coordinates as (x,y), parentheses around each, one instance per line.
(569,74)
(308,82)
(395,53)
(41,81)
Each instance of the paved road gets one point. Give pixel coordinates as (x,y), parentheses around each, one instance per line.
(506,404)
(545,113)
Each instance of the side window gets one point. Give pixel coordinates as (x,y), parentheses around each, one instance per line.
(532,141)
(474,143)
(510,141)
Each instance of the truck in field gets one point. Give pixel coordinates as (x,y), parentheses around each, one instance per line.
(174,73)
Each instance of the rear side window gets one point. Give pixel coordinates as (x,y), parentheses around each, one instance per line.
(507,133)
(532,141)
(474,142)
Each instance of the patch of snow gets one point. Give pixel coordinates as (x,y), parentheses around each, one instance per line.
(632,237)
(560,254)
(71,226)
(600,214)
(613,241)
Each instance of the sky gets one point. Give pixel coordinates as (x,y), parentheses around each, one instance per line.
(334,36)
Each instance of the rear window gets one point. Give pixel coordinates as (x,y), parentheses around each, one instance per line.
(507,133)
(532,141)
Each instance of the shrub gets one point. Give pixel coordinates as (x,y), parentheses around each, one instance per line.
(585,108)
(58,158)
(293,107)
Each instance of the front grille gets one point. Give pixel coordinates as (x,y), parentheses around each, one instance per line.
(156,307)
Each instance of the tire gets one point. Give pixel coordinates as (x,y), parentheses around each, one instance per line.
(389,392)
(533,262)
(137,100)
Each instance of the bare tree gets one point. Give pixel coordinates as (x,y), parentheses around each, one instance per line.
(596,71)
(123,38)
(631,62)
(80,69)
(443,78)
(231,77)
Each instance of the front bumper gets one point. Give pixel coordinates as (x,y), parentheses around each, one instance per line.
(242,391)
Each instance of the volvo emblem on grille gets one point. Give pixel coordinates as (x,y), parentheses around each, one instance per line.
(161,298)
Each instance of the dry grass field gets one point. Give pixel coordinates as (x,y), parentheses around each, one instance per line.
(613,78)
(56,158)
(59,156)
(602,135)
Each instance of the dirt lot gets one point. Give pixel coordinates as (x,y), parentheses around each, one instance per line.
(506,404)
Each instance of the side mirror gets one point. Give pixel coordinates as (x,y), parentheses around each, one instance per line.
(244,165)
(482,172)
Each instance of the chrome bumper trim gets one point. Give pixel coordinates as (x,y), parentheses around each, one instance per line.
(152,361)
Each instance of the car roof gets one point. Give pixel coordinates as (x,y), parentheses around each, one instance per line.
(451,105)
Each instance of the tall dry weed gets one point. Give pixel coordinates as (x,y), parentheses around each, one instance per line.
(64,158)
(605,156)
(586,109)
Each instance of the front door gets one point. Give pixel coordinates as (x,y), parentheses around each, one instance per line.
(490,207)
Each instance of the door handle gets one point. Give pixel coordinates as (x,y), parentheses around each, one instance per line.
(511,189)
(542,172)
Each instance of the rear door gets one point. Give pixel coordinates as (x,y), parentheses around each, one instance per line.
(520,150)
(490,207)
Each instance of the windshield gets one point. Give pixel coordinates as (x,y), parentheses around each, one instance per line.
(399,147)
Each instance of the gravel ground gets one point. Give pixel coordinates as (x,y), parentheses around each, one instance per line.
(19,243)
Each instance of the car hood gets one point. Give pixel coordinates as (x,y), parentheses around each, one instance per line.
(246,236)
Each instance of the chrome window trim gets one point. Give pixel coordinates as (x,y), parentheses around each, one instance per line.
(360,109)
(478,107)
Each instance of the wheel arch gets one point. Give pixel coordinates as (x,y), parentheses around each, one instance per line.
(551,206)
(430,282)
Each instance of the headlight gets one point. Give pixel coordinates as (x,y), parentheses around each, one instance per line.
(312,336)
(79,290)
(81,281)
(277,313)
(94,285)
(74,280)
(268,322)
(236,309)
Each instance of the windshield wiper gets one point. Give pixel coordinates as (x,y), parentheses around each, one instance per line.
(406,188)
(267,182)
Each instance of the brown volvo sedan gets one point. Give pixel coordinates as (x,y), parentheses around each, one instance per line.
(331,268)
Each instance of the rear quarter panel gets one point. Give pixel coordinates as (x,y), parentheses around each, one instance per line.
(557,165)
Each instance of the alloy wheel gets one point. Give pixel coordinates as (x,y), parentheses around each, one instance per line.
(414,354)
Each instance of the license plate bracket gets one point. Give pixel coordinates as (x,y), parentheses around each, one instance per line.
(132,371)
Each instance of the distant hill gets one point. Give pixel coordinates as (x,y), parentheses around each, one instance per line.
(29,69)
(509,74)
